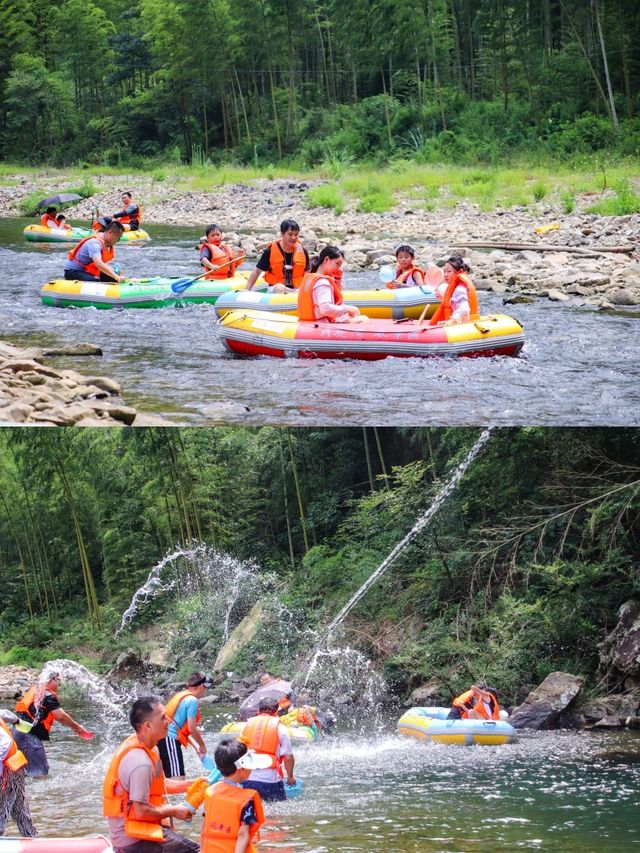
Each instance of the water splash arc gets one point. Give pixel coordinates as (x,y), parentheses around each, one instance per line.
(420,524)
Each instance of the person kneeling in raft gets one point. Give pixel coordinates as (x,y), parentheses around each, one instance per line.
(265,734)
(320,295)
(477,703)
(39,709)
(407,273)
(90,259)
(133,793)
(233,815)
(284,262)
(457,294)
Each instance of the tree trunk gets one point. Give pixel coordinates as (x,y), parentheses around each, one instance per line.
(605,63)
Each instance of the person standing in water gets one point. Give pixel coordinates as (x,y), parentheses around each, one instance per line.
(184,716)
(265,735)
(13,797)
(41,707)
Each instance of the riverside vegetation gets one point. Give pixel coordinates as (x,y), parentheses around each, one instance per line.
(521,573)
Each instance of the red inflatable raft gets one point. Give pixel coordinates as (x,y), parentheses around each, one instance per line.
(95,844)
(251,332)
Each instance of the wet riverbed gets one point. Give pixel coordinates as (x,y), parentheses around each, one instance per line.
(379,793)
(578,366)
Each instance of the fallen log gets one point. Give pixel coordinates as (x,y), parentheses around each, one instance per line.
(543,247)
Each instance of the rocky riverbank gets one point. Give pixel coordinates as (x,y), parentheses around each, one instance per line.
(567,264)
(31,392)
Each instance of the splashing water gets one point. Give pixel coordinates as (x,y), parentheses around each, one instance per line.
(420,524)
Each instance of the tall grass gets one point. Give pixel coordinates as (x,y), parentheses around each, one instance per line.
(624,203)
(326,195)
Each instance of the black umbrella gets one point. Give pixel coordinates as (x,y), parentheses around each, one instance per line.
(278,689)
(61,198)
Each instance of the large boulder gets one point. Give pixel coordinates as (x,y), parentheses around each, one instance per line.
(544,706)
(620,651)
(129,666)
(426,694)
(241,635)
(15,680)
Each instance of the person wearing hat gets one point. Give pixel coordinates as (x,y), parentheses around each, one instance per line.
(38,710)
(265,735)
(233,814)
(184,714)
(477,703)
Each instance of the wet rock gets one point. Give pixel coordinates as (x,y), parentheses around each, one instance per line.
(556,295)
(74,349)
(624,297)
(519,300)
(129,665)
(621,706)
(543,707)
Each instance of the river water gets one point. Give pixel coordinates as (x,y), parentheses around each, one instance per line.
(379,793)
(578,366)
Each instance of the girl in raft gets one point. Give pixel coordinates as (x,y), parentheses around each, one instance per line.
(407,273)
(457,294)
(320,294)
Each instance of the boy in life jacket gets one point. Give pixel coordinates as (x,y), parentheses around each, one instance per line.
(184,716)
(90,259)
(131,213)
(13,798)
(134,789)
(284,262)
(233,815)
(216,256)
(477,703)
(41,708)
(407,273)
(265,735)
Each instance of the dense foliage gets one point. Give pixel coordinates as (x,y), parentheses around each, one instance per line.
(521,573)
(125,81)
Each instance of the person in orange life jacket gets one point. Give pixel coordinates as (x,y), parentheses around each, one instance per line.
(41,707)
(102,223)
(233,815)
(130,214)
(264,734)
(13,797)
(184,716)
(62,223)
(90,259)
(407,274)
(320,296)
(49,218)
(134,789)
(217,256)
(284,262)
(477,703)
(463,300)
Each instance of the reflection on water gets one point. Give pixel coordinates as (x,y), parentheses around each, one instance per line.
(389,794)
(576,367)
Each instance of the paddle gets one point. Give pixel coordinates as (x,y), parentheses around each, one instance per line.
(433,277)
(183,283)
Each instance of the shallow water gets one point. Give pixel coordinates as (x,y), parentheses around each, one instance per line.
(380,792)
(578,366)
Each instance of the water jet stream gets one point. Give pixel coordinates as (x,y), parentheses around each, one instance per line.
(420,524)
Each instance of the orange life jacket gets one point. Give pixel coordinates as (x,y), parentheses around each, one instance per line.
(24,705)
(465,700)
(223,805)
(444,310)
(402,276)
(129,217)
(306,305)
(116,804)
(49,221)
(275,273)
(221,254)
(171,708)
(107,252)
(260,733)
(14,759)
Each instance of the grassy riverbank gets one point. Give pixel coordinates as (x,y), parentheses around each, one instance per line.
(607,187)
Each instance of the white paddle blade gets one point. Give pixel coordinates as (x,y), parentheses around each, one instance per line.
(387,274)
(434,276)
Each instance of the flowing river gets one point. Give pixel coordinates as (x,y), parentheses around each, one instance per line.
(380,793)
(577,365)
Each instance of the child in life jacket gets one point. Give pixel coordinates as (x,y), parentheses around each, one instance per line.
(233,814)
(62,223)
(456,275)
(407,273)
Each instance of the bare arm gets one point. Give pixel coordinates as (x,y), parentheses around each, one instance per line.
(67,720)
(177,786)
(106,269)
(194,733)
(243,839)
(289,762)
(253,277)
